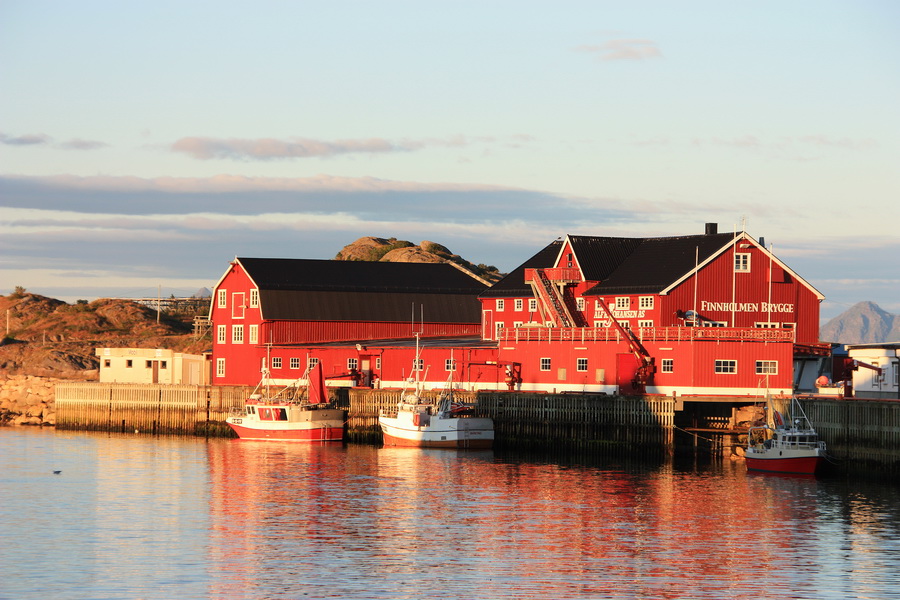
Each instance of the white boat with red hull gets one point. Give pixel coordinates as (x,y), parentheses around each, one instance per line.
(424,423)
(790,445)
(443,424)
(285,417)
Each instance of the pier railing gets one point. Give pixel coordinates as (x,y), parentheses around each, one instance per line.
(644,334)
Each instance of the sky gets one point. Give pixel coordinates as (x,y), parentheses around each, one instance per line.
(144,145)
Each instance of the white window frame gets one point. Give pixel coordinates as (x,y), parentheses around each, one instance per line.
(499,326)
(646,302)
(622,303)
(714,324)
(221,334)
(222,299)
(532,305)
(501,304)
(238,306)
(726,366)
(220,367)
(580,303)
(741,262)
(517,324)
(520,304)
(352,363)
(449,364)
(237,334)
(254,298)
(667,365)
(418,365)
(312,362)
(276,362)
(581,365)
(767,367)
(253,334)
(645,323)
(295,362)
(546,364)
(767,325)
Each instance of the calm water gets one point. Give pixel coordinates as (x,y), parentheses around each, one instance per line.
(140,517)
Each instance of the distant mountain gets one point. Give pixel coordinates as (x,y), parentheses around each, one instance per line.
(377,249)
(862,323)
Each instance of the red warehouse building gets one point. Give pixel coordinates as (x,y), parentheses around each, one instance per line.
(280,314)
(702,315)
(713,314)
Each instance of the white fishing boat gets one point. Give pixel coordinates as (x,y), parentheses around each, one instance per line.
(789,445)
(288,415)
(428,423)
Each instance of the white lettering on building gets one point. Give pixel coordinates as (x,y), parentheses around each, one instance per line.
(628,314)
(750,307)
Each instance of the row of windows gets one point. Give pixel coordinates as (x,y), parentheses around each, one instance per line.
(129,363)
(667,365)
(237,334)
(353,363)
(222,298)
(647,323)
(621,303)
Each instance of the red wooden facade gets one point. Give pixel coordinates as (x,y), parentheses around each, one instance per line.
(727,322)
(245,340)
(712,315)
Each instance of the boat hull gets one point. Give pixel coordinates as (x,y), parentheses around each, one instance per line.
(322,425)
(323,433)
(474,433)
(803,465)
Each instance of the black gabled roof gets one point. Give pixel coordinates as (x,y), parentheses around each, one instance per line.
(513,284)
(331,290)
(657,263)
(621,265)
(298,274)
(599,257)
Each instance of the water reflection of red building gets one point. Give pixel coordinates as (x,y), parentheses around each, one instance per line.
(401,517)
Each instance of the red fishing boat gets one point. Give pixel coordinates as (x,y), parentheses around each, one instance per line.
(286,415)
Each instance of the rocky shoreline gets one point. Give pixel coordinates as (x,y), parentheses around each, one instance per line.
(28,400)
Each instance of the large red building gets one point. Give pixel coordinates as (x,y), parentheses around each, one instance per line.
(703,315)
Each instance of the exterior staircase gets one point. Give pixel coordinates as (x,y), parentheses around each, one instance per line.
(551,300)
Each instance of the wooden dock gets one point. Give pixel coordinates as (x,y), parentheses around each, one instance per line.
(147,408)
(858,432)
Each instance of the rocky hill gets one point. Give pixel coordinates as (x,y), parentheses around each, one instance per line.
(393,250)
(862,323)
(49,337)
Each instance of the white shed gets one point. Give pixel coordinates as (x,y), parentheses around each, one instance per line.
(868,382)
(152,365)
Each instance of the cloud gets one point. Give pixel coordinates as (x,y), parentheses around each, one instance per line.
(39,139)
(237,183)
(31,139)
(205,148)
(622,49)
(79,144)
